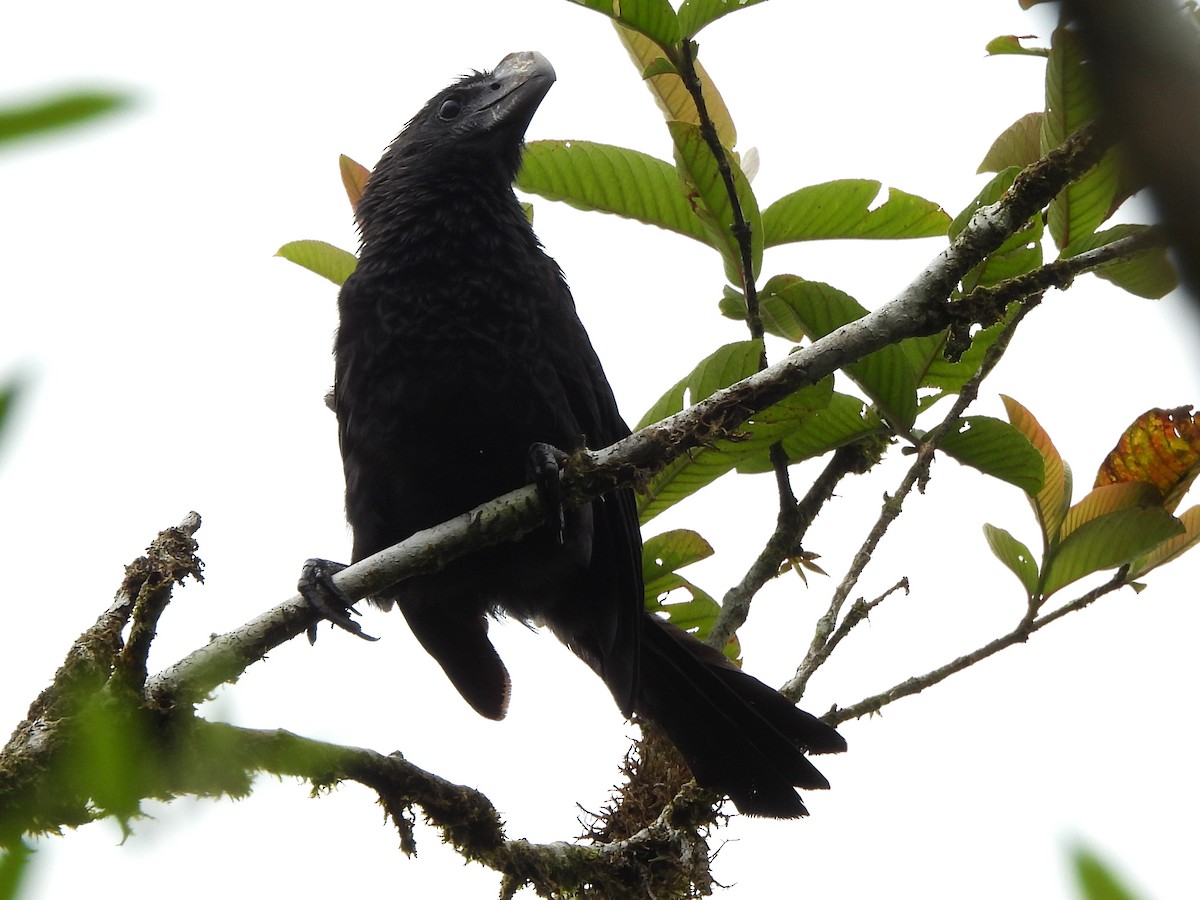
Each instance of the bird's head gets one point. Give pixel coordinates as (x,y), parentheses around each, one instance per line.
(482,116)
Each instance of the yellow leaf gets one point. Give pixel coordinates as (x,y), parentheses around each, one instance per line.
(669,91)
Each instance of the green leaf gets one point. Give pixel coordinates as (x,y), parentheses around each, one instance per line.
(1171,548)
(1018,145)
(686,475)
(8,396)
(1070,103)
(1010,45)
(653,18)
(1107,542)
(662,556)
(711,202)
(733,304)
(1148,273)
(1015,555)
(933,370)
(14,865)
(818,308)
(1108,498)
(603,178)
(719,369)
(1019,254)
(59,111)
(689,473)
(842,209)
(841,421)
(660,65)
(696,14)
(324,259)
(997,449)
(1096,880)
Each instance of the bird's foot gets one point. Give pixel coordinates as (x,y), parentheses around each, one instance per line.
(326,599)
(544,469)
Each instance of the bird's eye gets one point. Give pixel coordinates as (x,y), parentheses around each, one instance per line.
(449,109)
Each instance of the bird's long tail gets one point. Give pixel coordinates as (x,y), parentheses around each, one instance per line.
(738,735)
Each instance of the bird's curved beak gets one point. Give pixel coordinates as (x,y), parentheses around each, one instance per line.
(521,82)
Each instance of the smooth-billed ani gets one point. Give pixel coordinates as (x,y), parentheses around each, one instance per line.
(460,365)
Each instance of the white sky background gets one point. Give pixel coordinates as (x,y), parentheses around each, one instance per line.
(176,365)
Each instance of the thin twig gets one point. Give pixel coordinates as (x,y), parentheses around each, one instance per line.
(743,233)
(686,66)
(858,612)
(1018,635)
(790,527)
(916,475)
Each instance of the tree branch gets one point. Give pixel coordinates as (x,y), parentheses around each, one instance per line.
(790,527)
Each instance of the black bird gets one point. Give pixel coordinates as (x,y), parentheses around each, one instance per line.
(461,367)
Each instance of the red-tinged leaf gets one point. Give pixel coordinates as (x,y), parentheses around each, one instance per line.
(1161,447)
(1106,543)
(1051,502)
(324,259)
(354,178)
(1015,555)
(1108,499)
(1171,548)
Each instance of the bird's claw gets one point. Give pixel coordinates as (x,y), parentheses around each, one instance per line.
(544,469)
(329,601)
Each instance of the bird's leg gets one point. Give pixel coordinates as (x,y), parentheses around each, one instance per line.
(544,468)
(328,600)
